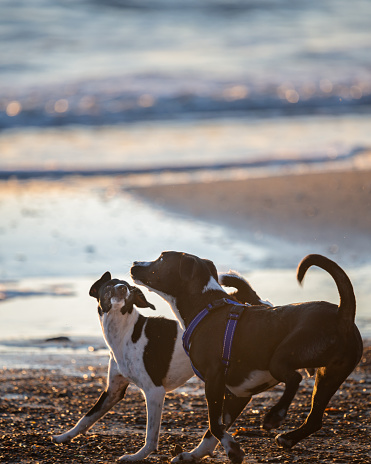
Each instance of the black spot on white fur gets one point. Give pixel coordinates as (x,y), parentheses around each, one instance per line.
(161,334)
(98,404)
(138,328)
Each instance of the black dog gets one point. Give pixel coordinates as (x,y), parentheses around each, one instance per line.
(270,345)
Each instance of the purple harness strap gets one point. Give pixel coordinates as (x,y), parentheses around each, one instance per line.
(234,314)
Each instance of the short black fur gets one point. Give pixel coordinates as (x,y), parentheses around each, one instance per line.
(161,334)
(138,328)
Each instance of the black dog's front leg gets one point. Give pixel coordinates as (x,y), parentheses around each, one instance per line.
(232,408)
(214,391)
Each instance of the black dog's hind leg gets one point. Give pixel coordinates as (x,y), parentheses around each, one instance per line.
(282,370)
(328,380)
(277,414)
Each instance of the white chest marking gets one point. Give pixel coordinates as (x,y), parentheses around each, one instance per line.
(255,380)
(170,299)
(172,302)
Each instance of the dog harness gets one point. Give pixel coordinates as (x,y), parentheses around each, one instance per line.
(233,316)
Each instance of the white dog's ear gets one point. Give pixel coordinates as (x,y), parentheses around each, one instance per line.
(94,290)
(187,267)
(136,297)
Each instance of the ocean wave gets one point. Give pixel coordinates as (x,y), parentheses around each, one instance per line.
(209,6)
(148,98)
(10,290)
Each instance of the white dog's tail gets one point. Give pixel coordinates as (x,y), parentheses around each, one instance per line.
(244,292)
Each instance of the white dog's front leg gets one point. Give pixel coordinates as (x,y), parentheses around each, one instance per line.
(115,391)
(154,402)
(205,448)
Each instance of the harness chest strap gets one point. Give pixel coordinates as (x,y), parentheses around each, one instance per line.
(233,316)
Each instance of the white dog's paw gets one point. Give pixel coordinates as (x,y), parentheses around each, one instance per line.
(130,458)
(205,448)
(64,438)
(141,454)
(185,457)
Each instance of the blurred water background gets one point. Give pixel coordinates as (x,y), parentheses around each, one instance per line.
(129,84)
(157,87)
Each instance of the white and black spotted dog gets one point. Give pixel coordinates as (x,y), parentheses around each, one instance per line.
(145,351)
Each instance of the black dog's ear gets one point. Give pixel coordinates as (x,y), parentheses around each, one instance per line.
(212,268)
(97,285)
(137,298)
(187,267)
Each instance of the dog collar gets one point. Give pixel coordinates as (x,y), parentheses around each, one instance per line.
(233,316)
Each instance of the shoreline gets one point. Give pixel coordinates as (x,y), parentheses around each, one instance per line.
(209,219)
(217,167)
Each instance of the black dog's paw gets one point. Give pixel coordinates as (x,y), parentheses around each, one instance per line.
(283,441)
(236,454)
(177,449)
(273,420)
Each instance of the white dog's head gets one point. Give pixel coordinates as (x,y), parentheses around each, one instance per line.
(115,294)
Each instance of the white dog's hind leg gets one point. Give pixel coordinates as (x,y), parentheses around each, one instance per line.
(154,402)
(115,391)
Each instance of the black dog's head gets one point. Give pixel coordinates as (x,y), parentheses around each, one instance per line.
(117,294)
(175,273)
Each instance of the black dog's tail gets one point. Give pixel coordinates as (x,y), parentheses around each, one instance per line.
(244,293)
(347,305)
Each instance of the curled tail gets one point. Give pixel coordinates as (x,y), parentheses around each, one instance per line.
(347,305)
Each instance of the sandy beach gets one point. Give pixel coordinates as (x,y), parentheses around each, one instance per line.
(38,403)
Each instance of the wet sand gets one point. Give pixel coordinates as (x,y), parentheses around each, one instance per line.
(331,210)
(36,404)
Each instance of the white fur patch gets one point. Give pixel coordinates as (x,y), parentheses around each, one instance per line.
(255,379)
(212,285)
(172,302)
